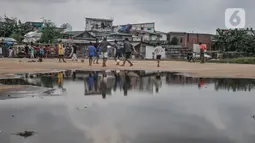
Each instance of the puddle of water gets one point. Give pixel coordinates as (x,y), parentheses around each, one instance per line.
(130,107)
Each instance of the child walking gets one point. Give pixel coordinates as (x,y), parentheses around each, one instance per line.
(158,52)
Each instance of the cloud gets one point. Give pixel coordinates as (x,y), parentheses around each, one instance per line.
(169,15)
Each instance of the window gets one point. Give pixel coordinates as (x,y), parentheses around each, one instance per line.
(180,40)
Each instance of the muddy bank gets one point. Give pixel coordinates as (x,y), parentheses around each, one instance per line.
(7,88)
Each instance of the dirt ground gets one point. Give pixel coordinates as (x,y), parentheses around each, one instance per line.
(9,67)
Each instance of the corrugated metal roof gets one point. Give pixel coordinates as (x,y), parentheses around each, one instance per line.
(99,19)
(74,33)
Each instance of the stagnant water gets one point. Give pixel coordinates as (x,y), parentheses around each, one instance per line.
(127,107)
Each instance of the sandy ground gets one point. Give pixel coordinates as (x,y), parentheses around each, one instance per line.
(8,67)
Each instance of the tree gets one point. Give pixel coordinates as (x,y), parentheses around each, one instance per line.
(50,32)
(10,27)
(20,31)
(7,26)
(174,41)
(66,27)
(242,40)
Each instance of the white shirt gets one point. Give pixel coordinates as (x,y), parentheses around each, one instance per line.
(158,50)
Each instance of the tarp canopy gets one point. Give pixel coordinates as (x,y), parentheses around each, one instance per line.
(7,39)
(32,36)
(29,40)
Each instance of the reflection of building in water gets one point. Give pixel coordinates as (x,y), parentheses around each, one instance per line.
(225,84)
(180,79)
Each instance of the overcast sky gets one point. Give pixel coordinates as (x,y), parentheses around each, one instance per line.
(169,15)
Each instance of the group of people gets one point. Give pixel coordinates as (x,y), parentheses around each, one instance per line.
(128,50)
(94,51)
(34,51)
(123,51)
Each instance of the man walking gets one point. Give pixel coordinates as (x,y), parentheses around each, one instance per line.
(74,51)
(128,48)
(91,53)
(61,52)
(117,52)
(104,47)
(158,52)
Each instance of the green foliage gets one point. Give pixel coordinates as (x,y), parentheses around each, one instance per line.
(7,26)
(50,32)
(243,60)
(11,27)
(235,40)
(174,41)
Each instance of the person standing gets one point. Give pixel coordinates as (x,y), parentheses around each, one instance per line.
(32,52)
(10,52)
(128,48)
(61,52)
(91,53)
(202,52)
(41,52)
(46,51)
(71,54)
(26,50)
(74,51)
(104,48)
(158,52)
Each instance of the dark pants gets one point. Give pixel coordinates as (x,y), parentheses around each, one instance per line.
(128,55)
(189,57)
(202,56)
(118,54)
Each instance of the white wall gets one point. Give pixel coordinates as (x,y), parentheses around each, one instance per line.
(163,37)
(196,48)
(146,37)
(153,37)
(148,52)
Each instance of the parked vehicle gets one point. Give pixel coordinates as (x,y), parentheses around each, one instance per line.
(197,56)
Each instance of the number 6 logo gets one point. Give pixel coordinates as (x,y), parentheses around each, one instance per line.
(234,18)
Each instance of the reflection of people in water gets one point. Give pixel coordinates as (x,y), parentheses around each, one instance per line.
(158,82)
(117,80)
(95,76)
(90,81)
(103,86)
(126,84)
(201,83)
(60,79)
